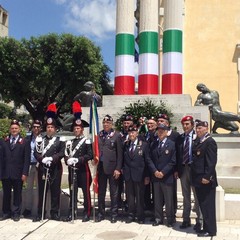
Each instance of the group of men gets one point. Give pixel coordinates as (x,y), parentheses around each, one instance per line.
(144,166)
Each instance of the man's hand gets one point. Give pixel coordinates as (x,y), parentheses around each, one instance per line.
(146,180)
(116,174)
(158,174)
(205,181)
(24,178)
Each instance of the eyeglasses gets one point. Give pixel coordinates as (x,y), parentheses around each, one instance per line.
(36,126)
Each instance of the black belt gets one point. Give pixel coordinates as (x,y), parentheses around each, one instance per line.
(33,163)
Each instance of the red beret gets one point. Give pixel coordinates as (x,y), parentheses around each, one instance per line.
(187,118)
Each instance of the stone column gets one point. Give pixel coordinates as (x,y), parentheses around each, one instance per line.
(148,48)
(172,47)
(125,47)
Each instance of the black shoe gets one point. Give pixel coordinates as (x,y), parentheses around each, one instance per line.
(68,218)
(129,220)
(5,216)
(86,218)
(113,220)
(206,234)
(37,218)
(157,223)
(16,217)
(170,224)
(55,217)
(99,218)
(26,213)
(185,224)
(141,221)
(197,227)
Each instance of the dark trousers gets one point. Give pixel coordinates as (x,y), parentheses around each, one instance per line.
(8,185)
(148,196)
(54,183)
(206,195)
(163,193)
(102,188)
(84,179)
(135,199)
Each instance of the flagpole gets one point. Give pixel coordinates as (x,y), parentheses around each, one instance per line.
(94,130)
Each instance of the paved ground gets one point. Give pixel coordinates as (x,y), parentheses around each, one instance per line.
(53,230)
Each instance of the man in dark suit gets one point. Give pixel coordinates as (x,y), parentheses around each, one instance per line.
(78,152)
(14,170)
(135,172)
(109,167)
(127,121)
(149,137)
(204,177)
(161,163)
(184,145)
(49,152)
(172,135)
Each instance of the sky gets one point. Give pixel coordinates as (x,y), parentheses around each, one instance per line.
(94,19)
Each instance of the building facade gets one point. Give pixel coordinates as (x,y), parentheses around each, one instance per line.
(3,22)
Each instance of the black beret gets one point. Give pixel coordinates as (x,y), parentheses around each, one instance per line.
(132,128)
(108,118)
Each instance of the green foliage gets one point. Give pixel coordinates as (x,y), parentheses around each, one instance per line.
(4,128)
(146,108)
(5,110)
(49,68)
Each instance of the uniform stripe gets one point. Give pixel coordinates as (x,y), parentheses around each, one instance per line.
(148,42)
(172,41)
(124,85)
(124,65)
(172,63)
(124,44)
(148,84)
(148,64)
(172,84)
(88,176)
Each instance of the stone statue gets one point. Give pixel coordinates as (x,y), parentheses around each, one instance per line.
(222,119)
(86,96)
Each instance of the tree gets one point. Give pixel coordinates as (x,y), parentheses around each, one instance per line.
(49,68)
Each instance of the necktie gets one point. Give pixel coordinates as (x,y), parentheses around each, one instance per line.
(160,145)
(131,149)
(186,150)
(12,143)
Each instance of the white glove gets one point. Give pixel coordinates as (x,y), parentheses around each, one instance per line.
(48,163)
(46,159)
(75,161)
(72,161)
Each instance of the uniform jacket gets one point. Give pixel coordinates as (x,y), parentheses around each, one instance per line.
(56,151)
(15,162)
(179,151)
(84,153)
(162,159)
(204,161)
(111,151)
(135,164)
